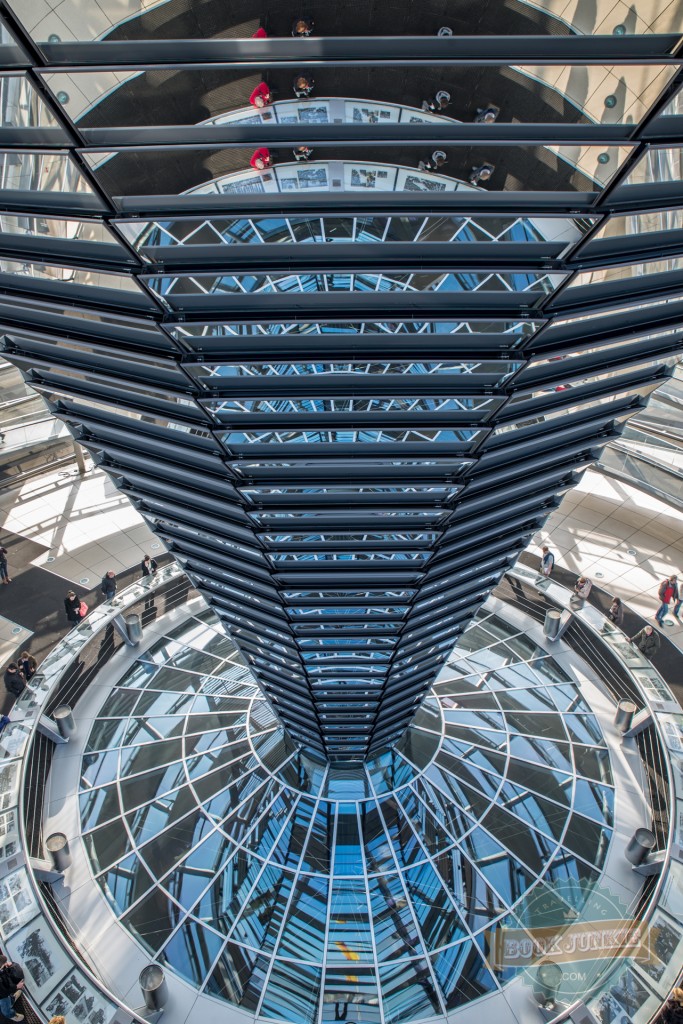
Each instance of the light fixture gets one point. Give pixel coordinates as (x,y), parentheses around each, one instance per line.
(619,30)
(63,97)
(611,100)
(603,158)
(54,38)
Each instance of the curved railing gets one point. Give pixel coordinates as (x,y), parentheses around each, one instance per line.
(57,971)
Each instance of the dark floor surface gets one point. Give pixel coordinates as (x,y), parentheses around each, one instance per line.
(239,19)
(35,598)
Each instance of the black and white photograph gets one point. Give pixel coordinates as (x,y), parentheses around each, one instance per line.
(78,1001)
(8,785)
(630,991)
(18,905)
(609,1011)
(41,956)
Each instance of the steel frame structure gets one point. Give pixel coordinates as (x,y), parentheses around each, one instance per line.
(345,526)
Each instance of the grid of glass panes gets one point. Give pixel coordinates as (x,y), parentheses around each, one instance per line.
(301,891)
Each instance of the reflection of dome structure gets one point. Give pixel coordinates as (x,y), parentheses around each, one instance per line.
(345,393)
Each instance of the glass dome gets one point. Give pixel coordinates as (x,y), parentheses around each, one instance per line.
(291,888)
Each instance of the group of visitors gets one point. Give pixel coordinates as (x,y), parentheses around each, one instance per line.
(76,608)
(647,639)
(18,673)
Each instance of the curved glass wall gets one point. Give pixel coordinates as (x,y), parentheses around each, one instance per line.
(305,892)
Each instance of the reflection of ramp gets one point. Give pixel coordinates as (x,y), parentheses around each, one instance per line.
(30,438)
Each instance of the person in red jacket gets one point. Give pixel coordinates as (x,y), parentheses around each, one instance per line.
(260,33)
(667,592)
(261,96)
(261,159)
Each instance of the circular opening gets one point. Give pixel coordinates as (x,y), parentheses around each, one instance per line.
(63,711)
(646,838)
(55,842)
(151,977)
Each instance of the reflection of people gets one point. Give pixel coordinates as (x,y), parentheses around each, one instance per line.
(438,104)
(303,27)
(481,173)
(261,159)
(302,153)
(435,161)
(486,115)
(260,33)
(303,86)
(261,96)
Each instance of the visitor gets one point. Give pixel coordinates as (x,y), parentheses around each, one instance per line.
(11,983)
(435,161)
(616,612)
(481,173)
(303,86)
(667,592)
(647,641)
(486,115)
(261,96)
(73,607)
(583,587)
(14,680)
(438,104)
(108,585)
(4,571)
(302,28)
(261,159)
(28,665)
(148,566)
(679,601)
(260,33)
(302,153)
(547,561)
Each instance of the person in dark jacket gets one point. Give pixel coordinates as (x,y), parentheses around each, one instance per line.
(616,612)
(28,665)
(14,680)
(4,570)
(72,607)
(148,566)
(108,585)
(647,641)
(11,983)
